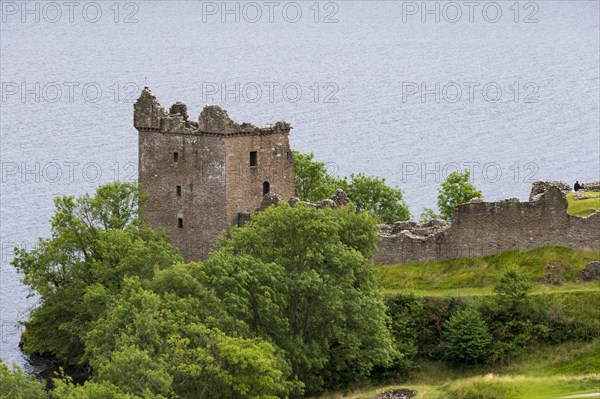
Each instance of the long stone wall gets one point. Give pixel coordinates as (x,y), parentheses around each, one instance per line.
(484,228)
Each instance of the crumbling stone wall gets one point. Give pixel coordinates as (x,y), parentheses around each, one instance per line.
(593,186)
(484,228)
(197,175)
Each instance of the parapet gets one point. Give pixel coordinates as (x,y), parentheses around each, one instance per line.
(149,115)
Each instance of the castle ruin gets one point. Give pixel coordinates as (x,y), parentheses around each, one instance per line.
(201,177)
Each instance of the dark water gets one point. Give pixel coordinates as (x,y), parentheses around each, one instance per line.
(345,78)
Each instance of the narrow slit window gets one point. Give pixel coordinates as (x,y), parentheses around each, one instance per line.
(175,157)
(253,158)
(178,191)
(180,223)
(266,188)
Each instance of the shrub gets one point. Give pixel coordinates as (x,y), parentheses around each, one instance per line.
(466,338)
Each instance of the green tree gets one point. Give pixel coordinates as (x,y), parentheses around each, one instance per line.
(466,338)
(166,340)
(15,384)
(370,194)
(95,242)
(313,183)
(512,318)
(65,389)
(513,288)
(373,195)
(455,190)
(427,215)
(302,278)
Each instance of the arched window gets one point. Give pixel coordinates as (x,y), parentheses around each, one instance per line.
(266,188)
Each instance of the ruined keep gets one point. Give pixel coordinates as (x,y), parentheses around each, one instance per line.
(483,228)
(201,177)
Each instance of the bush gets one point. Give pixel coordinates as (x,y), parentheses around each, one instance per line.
(406,312)
(417,324)
(466,338)
(436,312)
(573,330)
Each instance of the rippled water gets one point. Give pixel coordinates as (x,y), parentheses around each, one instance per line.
(363,117)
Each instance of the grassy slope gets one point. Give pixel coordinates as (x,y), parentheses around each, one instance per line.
(467,277)
(583,207)
(545,372)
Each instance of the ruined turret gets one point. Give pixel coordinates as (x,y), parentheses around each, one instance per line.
(147,111)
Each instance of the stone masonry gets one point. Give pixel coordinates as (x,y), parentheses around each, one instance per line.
(201,177)
(484,228)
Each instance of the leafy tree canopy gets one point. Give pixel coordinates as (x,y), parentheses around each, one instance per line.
(370,194)
(15,384)
(95,242)
(455,190)
(169,340)
(313,183)
(302,278)
(373,195)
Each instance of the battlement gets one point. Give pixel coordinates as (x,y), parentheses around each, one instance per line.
(481,228)
(149,115)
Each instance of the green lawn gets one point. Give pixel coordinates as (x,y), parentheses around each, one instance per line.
(583,207)
(469,277)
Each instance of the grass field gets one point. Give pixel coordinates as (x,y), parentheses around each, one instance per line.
(544,372)
(583,207)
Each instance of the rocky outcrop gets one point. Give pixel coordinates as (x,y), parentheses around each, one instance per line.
(553,273)
(591,272)
(397,394)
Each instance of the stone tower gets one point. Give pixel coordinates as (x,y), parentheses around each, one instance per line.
(201,177)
